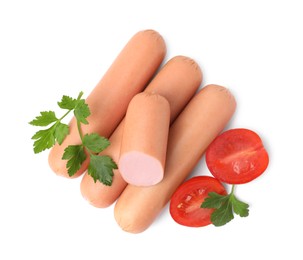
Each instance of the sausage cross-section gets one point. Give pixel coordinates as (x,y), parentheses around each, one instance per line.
(144,142)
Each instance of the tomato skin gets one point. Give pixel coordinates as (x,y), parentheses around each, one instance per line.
(237,156)
(186,201)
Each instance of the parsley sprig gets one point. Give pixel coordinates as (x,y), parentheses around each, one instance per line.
(225,206)
(100,167)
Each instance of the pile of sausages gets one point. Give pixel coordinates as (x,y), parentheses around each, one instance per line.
(159,126)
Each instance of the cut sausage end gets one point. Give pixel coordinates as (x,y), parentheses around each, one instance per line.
(140,169)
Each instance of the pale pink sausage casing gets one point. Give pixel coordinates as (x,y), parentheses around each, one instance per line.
(144,141)
(127,76)
(177,81)
(200,122)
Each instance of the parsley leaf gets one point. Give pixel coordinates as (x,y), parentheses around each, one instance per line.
(47,138)
(240,207)
(44,139)
(101,168)
(82,111)
(214,200)
(223,214)
(67,103)
(75,155)
(95,142)
(225,206)
(45,118)
(61,131)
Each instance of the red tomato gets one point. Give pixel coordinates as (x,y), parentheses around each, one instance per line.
(186,201)
(237,156)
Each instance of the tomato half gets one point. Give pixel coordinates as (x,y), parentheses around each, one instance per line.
(186,201)
(237,156)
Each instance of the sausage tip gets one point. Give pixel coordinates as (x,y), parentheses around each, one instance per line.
(127,223)
(89,191)
(191,62)
(190,65)
(223,90)
(156,36)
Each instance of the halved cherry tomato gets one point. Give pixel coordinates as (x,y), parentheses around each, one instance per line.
(237,156)
(186,201)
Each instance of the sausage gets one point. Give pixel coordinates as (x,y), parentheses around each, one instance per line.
(177,81)
(200,122)
(144,141)
(128,75)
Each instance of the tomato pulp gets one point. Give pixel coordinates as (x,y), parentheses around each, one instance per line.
(185,205)
(237,156)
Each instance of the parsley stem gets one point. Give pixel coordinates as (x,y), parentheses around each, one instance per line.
(64,115)
(80,130)
(232,189)
(78,122)
(81,137)
(80,95)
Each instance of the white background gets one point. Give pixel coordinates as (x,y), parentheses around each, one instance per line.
(51,48)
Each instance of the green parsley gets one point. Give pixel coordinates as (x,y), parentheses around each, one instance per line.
(225,206)
(100,167)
